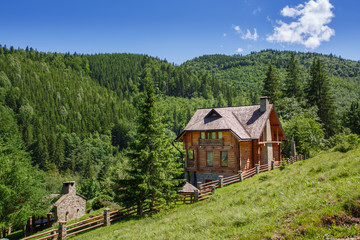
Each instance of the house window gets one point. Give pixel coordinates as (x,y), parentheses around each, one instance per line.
(202,135)
(213,135)
(224,159)
(190,154)
(219,135)
(209,159)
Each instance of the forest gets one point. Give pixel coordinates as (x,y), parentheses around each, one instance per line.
(81,117)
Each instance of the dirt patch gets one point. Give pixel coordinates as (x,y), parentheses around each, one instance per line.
(340,220)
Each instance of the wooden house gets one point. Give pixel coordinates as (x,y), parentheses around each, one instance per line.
(222,141)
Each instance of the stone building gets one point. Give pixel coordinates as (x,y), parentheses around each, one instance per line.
(68,205)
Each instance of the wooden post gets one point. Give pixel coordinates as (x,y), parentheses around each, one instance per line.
(106,217)
(272,165)
(241,176)
(221,181)
(30,225)
(62,230)
(33,229)
(52,233)
(48,219)
(257,168)
(198,185)
(196,195)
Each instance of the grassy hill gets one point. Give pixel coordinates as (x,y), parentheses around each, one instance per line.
(318,198)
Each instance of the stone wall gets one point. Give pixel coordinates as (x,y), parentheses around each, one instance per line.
(201,177)
(69,207)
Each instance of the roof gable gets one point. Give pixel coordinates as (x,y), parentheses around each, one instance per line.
(213,114)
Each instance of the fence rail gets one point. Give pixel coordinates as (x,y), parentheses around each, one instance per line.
(105,219)
(208,188)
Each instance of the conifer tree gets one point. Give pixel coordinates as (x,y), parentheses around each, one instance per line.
(271,85)
(153,167)
(318,94)
(352,118)
(293,79)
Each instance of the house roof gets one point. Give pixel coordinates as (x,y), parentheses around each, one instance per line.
(188,188)
(245,122)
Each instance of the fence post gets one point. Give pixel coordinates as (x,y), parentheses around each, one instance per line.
(30,225)
(198,184)
(62,230)
(241,176)
(221,181)
(106,217)
(196,195)
(272,165)
(52,233)
(257,168)
(48,219)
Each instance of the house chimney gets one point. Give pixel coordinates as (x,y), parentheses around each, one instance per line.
(69,188)
(264,104)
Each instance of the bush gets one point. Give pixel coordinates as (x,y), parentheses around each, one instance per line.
(101,201)
(349,142)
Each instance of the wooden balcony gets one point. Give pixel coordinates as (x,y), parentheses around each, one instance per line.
(212,142)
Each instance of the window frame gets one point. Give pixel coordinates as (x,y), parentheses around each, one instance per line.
(207,159)
(221,158)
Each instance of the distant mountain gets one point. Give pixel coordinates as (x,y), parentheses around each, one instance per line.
(246,73)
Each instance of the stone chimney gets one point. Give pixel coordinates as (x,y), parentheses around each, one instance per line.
(264,104)
(69,188)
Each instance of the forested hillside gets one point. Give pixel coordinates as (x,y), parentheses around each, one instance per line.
(246,73)
(75,111)
(75,117)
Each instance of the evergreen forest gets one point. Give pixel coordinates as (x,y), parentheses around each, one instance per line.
(81,117)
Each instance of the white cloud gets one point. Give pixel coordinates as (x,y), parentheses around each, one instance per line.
(237,29)
(310,27)
(246,35)
(239,50)
(224,35)
(250,36)
(257,10)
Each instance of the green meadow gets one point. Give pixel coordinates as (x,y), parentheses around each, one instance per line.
(318,198)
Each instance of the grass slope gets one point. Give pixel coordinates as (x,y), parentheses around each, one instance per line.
(318,198)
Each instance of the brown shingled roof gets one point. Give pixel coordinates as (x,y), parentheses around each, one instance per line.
(245,122)
(188,188)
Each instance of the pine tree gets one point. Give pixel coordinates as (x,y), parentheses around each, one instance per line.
(293,79)
(271,85)
(352,118)
(318,94)
(153,167)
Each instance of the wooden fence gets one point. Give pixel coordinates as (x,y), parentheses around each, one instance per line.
(105,219)
(207,189)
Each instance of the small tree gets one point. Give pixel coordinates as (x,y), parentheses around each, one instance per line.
(271,85)
(153,167)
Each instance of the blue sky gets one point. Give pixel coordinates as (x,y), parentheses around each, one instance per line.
(182,30)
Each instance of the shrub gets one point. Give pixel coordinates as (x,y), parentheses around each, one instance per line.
(101,201)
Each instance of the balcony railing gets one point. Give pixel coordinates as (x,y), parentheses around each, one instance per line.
(214,142)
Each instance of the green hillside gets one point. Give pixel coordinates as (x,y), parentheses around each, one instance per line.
(313,199)
(246,73)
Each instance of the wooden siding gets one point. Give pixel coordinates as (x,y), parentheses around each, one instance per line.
(230,145)
(246,156)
